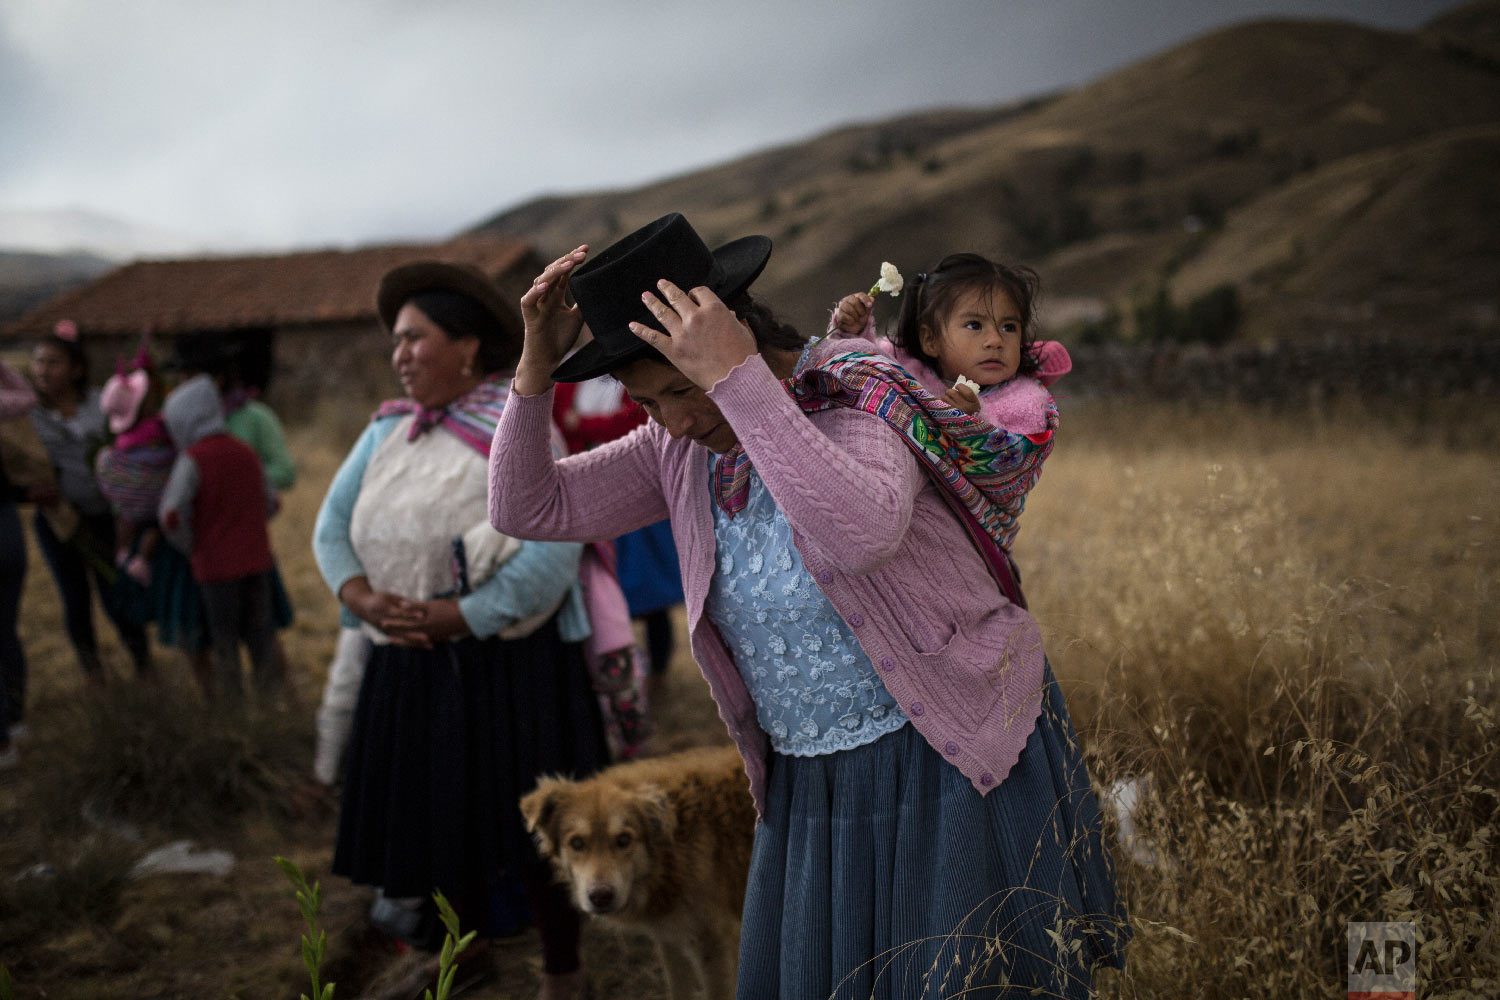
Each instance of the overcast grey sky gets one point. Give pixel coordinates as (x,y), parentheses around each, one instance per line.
(292,122)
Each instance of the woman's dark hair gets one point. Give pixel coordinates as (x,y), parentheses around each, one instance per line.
(72,349)
(769,330)
(930,297)
(460,317)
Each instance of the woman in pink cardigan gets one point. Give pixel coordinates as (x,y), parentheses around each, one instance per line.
(922,795)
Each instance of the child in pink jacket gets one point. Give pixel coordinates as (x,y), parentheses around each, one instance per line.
(965,331)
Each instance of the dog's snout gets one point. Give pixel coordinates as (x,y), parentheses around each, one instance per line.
(601,898)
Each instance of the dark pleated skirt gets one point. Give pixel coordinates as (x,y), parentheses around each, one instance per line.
(881,872)
(445,742)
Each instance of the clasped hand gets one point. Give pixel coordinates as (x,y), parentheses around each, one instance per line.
(406,622)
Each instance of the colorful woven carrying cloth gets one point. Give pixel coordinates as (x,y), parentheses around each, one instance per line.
(133,471)
(982,471)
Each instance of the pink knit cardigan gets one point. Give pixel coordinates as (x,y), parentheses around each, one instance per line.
(964,663)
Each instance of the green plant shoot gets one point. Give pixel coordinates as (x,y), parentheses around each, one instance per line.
(315,941)
(453,946)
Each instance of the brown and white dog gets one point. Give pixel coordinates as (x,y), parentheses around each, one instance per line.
(660,845)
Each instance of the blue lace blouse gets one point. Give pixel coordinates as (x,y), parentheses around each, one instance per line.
(815,690)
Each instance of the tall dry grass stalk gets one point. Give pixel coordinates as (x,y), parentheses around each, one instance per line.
(1285,631)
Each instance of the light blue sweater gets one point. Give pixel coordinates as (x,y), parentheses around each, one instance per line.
(524,585)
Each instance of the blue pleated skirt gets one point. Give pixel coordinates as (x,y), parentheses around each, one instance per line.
(881,872)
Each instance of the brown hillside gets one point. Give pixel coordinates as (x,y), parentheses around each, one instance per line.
(1472,29)
(1112,188)
(27,279)
(1370,243)
(764,176)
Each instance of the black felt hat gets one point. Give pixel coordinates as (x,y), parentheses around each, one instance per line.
(608,287)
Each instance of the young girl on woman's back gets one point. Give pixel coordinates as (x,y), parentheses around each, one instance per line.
(966,333)
(969,321)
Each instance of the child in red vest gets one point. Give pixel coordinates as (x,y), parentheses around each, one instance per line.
(214,508)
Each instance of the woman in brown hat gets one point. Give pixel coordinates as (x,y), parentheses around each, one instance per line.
(927,826)
(476,684)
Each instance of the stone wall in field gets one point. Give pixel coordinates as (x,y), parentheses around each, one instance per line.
(1302,370)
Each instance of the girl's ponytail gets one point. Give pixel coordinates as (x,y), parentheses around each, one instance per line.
(909,320)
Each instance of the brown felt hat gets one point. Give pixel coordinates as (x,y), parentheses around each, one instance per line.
(401,283)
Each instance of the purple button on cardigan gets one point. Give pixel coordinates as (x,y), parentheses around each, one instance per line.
(916,709)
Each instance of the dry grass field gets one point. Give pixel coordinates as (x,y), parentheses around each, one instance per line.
(1282,625)
(1290,626)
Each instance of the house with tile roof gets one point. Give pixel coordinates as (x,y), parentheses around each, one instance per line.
(305,322)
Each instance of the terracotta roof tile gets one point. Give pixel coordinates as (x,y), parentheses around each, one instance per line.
(221,293)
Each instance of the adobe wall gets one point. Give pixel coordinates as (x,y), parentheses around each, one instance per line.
(350,364)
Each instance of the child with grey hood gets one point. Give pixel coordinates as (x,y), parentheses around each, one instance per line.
(214,508)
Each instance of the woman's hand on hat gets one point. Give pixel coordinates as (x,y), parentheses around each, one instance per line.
(704,339)
(551,324)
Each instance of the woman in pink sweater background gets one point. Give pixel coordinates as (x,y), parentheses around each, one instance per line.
(920,786)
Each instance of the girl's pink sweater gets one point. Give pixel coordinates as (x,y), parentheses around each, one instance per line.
(964,663)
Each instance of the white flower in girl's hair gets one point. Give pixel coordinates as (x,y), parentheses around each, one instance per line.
(973,386)
(890,280)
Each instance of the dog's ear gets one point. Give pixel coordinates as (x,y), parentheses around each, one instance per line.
(539,807)
(657,817)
